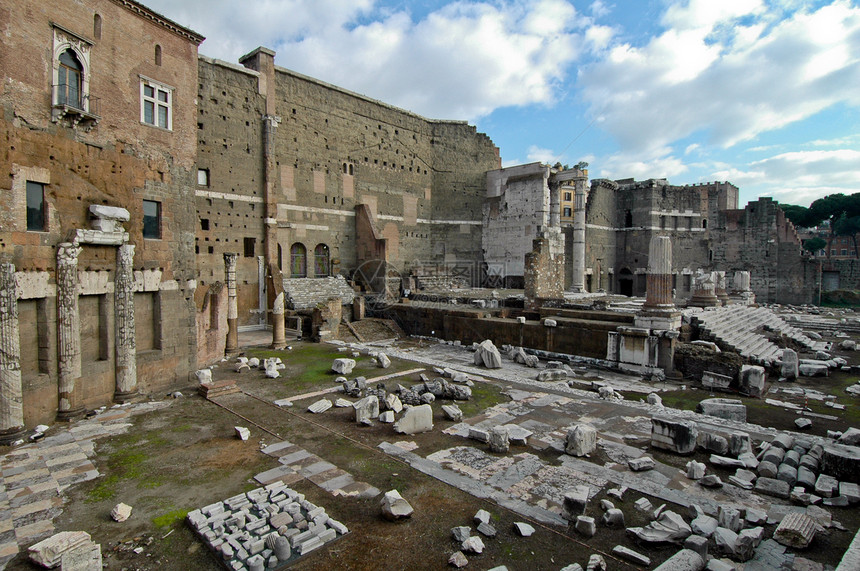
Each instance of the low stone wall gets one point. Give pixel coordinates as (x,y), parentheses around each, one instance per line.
(584,337)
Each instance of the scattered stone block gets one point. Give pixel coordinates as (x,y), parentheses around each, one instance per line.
(394,507)
(458,560)
(842,462)
(49,552)
(787,474)
(523,529)
(452,412)
(850,491)
(789,368)
(730,518)
(574,502)
(641,464)
(669,527)
(482,516)
(826,486)
(387,417)
(499,441)
(715,443)
(121,512)
(342,403)
(802,423)
(630,555)
(242,433)
(711,481)
(585,525)
(416,419)
(473,544)
(486,529)
(704,525)
(488,355)
(366,409)
(596,563)
(461,533)
(684,560)
(728,409)
(675,436)
(643,505)
(478,434)
(581,440)
(773,487)
(796,530)
(320,406)
(752,380)
(383,361)
(343,366)
(204,376)
(613,518)
(698,544)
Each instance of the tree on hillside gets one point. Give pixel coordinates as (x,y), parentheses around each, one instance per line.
(842,212)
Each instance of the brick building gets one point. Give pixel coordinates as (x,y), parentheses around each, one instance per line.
(97,211)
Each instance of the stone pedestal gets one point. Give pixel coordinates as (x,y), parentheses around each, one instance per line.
(11,392)
(658,312)
(703,294)
(126,350)
(544,275)
(741,292)
(68,332)
(720,287)
(232,304)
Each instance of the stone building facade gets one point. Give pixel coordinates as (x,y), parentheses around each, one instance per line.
(303,179)
(97,209)
(606,239)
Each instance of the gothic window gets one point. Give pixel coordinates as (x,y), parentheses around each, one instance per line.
(321,261)
(69,80)
(298,261)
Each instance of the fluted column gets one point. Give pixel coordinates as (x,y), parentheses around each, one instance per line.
(554,205)
(68,332)
(11,393)
(578,278)
(659,280)
(232,304)
(126,350)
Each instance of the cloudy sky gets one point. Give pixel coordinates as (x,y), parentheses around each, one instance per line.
(762,93)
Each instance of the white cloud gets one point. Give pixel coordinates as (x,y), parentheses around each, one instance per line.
(705,75)
(543,155)
(799,176)
(639,166)
(461,61)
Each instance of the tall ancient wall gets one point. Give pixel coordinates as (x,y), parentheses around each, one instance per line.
(104,156)
(761,240)
(331,150)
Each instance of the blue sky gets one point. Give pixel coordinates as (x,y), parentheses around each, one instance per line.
(762,93)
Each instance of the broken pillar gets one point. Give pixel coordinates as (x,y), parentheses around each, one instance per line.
(68,332)
(11,388)
(543,275)
(232,303)
(126,350)
(704,291)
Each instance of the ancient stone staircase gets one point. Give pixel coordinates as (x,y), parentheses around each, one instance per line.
(740,328)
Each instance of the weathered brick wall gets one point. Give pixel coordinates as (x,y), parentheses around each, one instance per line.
(117,162)
(761,240)
(421,180)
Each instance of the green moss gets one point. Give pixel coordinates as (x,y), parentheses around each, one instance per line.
(484,395)
(169,519)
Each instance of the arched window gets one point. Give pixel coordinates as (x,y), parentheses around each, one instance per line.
(157,54)
(69,77)
(704,223)
(97,27)
(298,261)
(321,261)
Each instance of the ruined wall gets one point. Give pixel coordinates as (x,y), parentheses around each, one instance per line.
(297,178)
(844,274)
(97,150)
(761,240)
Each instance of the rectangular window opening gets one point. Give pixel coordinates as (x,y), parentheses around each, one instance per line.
(152,219)
(156,104)
(35,207)
(250,247)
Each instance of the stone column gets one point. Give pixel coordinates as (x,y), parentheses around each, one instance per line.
(68,332)
(720,287)
(232,305)
(659,280)
(126,350)
(554,205)
(578,277)
(11,392)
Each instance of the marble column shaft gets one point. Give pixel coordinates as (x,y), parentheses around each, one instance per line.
(232,303)
(578,277)
(659,279)
(68,331)
(11,391)
(126,349)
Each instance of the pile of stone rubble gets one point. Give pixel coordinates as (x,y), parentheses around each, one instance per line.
(264,528)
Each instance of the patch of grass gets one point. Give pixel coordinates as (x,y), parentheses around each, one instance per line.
(169,519)
(484,395)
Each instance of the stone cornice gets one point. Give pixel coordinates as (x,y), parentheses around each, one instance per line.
(157,18)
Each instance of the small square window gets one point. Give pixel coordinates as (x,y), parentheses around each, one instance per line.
(567,196)
(202,177)
(152,219)
(35,207)
(204,224)
(567,212)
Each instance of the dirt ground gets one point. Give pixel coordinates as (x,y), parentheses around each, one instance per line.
(187,456)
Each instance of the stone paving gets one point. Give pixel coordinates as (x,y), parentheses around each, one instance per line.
(297,463)
(34,476)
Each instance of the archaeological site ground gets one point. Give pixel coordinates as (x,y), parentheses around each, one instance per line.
(251,320)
